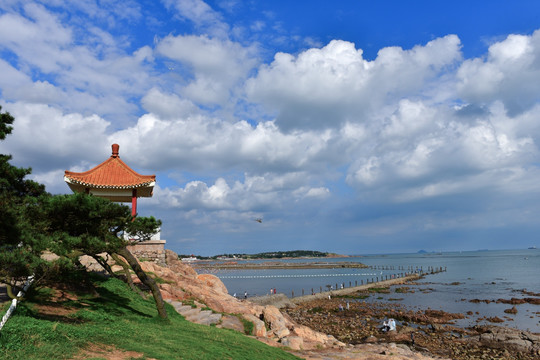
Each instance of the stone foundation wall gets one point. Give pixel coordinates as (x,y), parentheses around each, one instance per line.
(152,250)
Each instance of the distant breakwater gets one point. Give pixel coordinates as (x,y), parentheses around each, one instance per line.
(281,300)
(345,288)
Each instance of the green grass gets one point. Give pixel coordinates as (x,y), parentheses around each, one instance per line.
(123,320)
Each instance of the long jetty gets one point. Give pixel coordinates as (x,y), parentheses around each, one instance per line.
(353,289)
(281,300)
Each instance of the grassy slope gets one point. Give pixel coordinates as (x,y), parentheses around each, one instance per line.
(120,318)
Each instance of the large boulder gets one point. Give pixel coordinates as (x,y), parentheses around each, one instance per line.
(213,282)
(231,322)
(503,337)
(276,321)
(293,342)
(259,329)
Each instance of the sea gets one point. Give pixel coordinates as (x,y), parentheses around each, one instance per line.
(468,275)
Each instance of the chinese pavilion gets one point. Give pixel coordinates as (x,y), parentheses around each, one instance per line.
(114,180)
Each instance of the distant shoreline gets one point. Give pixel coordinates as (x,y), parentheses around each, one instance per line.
(235,265)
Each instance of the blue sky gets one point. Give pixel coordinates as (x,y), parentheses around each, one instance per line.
(347,126)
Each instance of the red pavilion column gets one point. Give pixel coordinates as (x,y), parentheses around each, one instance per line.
(134,203)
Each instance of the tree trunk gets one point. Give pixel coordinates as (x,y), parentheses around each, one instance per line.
(103,262)
(145,279)
(129,280)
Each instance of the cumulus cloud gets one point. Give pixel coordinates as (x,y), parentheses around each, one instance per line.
(199,142)
(47,139)
(217,65)
(326,87)
(510,73)
(411,132)
(84,74)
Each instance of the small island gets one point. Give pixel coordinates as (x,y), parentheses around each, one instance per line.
(293,254)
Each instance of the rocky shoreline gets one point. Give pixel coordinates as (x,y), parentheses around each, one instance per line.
(314,327)
(430,332)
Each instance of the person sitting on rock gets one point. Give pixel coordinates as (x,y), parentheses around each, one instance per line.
(385,326)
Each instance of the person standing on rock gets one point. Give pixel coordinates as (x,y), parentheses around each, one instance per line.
(245,294)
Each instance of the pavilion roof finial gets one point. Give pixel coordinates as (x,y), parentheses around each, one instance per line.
(115,150)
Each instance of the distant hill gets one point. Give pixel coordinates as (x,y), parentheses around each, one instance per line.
(273,255)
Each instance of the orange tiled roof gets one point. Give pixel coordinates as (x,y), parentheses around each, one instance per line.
(113,173)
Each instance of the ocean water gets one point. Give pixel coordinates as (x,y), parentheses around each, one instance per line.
(483,275)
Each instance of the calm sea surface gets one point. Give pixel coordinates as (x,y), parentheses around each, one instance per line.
(484,275)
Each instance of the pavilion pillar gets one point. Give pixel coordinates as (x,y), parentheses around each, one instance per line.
(134,203)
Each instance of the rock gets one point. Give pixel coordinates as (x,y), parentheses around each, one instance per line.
(277,323)
(213,282)
(502,337)
(259,329)
(231,322)
(371,339)
(495,319)
(512,310)
(293,342)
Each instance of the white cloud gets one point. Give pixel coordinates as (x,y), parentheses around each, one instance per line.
(47,139)
(167,106)
(218,65)
(329,86)
(510,73)
(201,14)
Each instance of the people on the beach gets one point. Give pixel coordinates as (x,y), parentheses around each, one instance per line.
(389,325)
(347,305)
(392,325)
(340,307)
(234,295)
(245,294)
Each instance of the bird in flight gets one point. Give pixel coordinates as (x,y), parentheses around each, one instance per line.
(259,220)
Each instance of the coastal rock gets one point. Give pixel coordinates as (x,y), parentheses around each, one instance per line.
(293,342)
(502,337)
(177,266)
(181,283)
(169,292)
(259,329)
(274,318)
(213,282)
(231,322)
(512,310)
